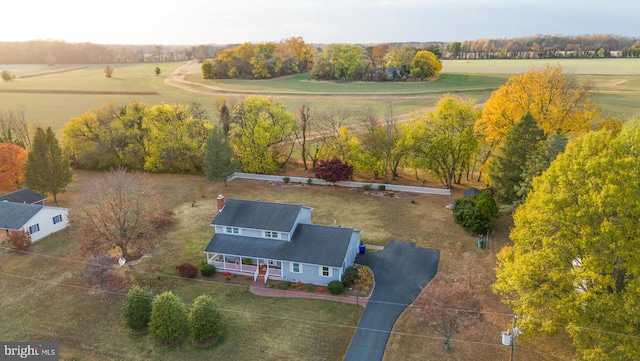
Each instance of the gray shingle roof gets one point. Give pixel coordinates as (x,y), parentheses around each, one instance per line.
(24,195)
(312,244)
(15,215)
(258,215)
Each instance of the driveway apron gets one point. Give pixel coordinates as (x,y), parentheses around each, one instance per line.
(401,270)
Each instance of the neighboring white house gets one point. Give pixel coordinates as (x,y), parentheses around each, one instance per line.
(24,195)
(278,241)
(40,221)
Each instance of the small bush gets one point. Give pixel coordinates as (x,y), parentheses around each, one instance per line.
(286,180)
(284,285)
(309,181)
(382,187)
(168,318)
(137,307)
(187,270)
(365,278)
(367,187)
(19,240)
(207,270)
(336,287)
(204,320)
(350,276)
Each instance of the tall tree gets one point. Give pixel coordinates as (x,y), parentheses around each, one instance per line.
(575,260)
(15,127)
(555,100)
(455,48)
(443,141)
(262,134)
(118,210)
(507,166)
(219,159)
(425,64)
(539,161)
(304,127)
(48,169)
(340,62)
(176,139)
(13,159)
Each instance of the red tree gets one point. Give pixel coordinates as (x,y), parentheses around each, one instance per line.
(333,170)
(12,161)
(19,240)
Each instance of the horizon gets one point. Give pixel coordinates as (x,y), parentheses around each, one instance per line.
(198,22)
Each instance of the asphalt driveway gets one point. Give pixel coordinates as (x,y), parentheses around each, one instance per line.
(401,270)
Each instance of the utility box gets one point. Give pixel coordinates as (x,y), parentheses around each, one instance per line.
(506,338)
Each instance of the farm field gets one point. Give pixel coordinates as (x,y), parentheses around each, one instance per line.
(52,95)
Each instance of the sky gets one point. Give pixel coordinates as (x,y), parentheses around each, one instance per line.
(194,22)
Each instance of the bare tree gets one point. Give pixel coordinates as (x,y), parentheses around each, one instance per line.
(447,306)
(119,210)
(304,120)
(15,127)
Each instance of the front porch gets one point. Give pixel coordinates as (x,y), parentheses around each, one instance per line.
(246,266)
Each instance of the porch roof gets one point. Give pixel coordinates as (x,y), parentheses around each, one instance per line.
(311,244)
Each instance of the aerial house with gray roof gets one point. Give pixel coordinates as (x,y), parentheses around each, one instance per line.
(40,221)
(267,240)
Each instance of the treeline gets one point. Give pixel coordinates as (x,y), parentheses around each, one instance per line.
(332,62)
(546,46)
(60,52)
(261,61)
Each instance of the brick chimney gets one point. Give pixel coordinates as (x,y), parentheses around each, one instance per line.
(220,202)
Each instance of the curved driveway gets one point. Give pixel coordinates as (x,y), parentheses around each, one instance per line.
(401,270)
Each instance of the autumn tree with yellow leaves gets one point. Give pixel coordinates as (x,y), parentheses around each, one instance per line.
(574,262)
(557,102)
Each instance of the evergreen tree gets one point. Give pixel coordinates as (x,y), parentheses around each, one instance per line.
(508,164)
(219,159)
(539,161)
(204,320)
(137,307)
(48,170)
(168,318)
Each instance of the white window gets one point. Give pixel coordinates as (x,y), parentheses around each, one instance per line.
(57,219)
(325,271)
(296,267)
(232,230)
(271,234)
(35,228)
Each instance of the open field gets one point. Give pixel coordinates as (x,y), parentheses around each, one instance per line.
(52,302)
(604,66)
(52,95)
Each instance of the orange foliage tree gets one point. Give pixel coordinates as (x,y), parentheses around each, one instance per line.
(12,161)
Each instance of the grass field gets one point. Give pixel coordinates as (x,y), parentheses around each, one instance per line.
(52,95)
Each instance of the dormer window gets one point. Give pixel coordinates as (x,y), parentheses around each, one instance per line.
(271,234)
(232,230)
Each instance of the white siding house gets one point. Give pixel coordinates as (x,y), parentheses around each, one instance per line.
(40,221)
